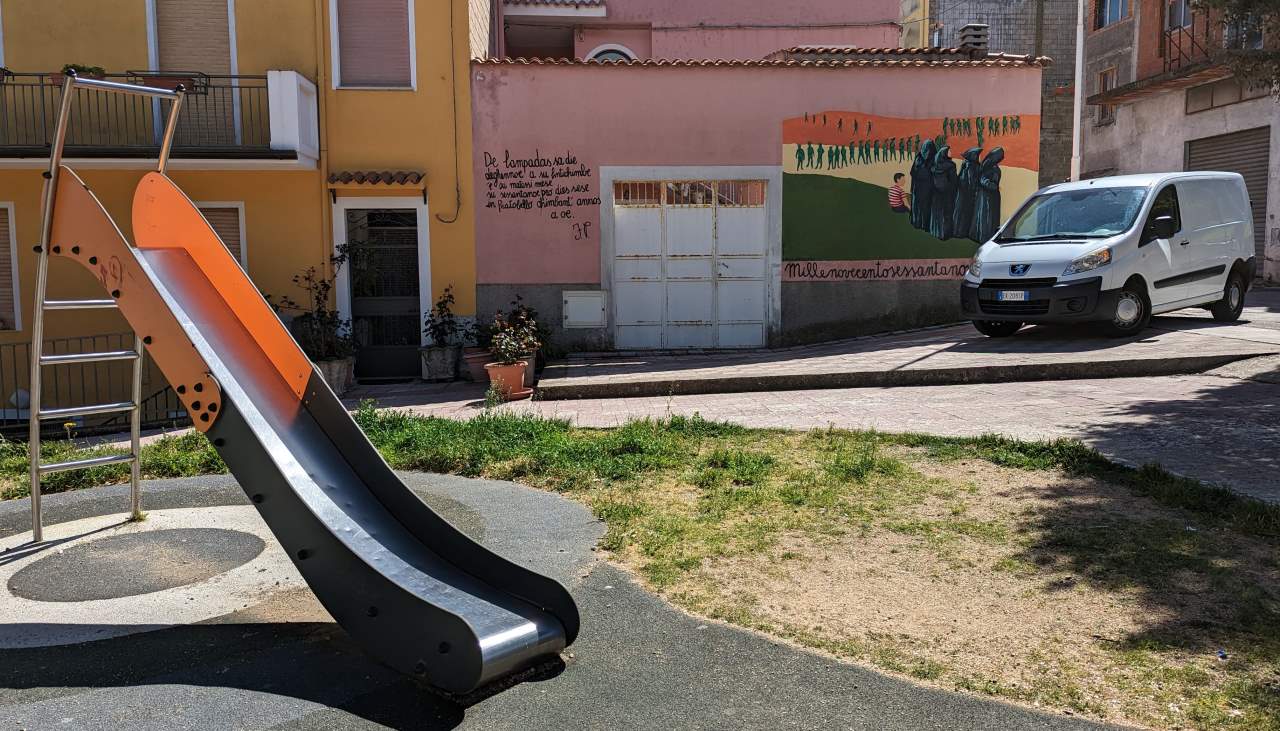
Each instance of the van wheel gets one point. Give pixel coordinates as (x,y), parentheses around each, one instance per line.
(997,328)
(1133,311)
(1228,308)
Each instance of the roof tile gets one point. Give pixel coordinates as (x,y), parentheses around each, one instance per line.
(375,177)
(920,61)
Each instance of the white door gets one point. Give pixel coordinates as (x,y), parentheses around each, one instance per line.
(689,264)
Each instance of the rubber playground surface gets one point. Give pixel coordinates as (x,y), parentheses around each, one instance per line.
(227,649)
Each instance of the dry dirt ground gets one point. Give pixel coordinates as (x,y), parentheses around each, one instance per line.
(1060,592)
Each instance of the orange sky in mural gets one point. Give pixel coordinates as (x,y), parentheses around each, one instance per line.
(1020,150)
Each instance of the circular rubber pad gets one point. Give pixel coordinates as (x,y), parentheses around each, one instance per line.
(135,563)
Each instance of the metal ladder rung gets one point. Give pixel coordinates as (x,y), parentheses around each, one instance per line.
(103,357)
(94,410)
(84,464)
(80,304)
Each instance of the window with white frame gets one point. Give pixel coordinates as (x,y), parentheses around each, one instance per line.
(227,220)
(8,270)
(1110,11)
(373,43)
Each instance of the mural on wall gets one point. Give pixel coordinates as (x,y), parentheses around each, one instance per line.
(866,197)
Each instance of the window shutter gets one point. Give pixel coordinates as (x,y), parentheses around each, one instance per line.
(373,43)
(226,223)
(8,308)
(194,35)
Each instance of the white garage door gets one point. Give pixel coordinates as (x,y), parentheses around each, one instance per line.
(689,264)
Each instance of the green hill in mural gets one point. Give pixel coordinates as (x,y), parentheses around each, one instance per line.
(829,218)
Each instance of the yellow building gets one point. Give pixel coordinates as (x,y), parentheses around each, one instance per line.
(295,112)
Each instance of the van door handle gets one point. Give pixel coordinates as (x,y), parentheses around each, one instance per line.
(1184,243)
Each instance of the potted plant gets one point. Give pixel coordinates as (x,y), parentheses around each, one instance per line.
(321,332)
(524,318)
(506,372)
(81,70)
(440,359)
(475,356)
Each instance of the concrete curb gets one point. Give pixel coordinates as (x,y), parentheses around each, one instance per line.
(678,384)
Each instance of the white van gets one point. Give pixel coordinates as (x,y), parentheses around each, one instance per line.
(1116,250)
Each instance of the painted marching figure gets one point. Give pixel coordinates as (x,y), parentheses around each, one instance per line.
(962,223)
(986,212)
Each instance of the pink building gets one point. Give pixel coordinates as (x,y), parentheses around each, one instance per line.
(687,29)
(813,194)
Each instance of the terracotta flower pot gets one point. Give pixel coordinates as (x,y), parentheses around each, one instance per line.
(509,379)
(474,359)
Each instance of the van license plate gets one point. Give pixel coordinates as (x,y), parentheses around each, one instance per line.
(1006,295)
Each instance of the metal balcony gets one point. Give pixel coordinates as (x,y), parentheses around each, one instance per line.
(222,117)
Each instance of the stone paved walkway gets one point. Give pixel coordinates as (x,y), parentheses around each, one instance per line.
(1184,342)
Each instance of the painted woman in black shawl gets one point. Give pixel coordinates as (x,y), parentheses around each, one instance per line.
(962,223)
(942,204)
(986,211)
(922,185)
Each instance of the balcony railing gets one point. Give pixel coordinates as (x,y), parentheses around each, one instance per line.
(81,384)
(221,116)
(1195,43)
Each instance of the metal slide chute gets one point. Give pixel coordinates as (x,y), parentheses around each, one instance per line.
(406,584)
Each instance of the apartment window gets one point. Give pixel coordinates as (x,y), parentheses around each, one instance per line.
(1243,34)
(1179,14)
(1111,11)
(1220,94)
(9,319)
(227,220)
(1106,82)
(372,43)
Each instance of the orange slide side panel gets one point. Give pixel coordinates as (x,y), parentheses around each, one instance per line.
(83,232)
(164,218)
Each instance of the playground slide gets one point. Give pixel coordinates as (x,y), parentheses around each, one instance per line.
(407,585)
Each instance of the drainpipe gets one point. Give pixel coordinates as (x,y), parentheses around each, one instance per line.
(1078,107)
(322,94)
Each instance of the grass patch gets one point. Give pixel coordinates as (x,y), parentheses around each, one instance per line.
(688,502)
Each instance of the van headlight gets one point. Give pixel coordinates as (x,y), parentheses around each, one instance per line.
(975,268)
(1088,262)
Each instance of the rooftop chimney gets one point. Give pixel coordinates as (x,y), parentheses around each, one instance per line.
(974,38)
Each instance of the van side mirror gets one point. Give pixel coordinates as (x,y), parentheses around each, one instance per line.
(1162,227)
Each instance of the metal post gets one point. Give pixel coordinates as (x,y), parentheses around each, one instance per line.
(135,433)
(37,319)
(1078,102)
(170,128)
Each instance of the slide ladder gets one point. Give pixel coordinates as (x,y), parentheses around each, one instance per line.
(405,583)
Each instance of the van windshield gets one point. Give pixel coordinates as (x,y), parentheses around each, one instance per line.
(1091,213)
